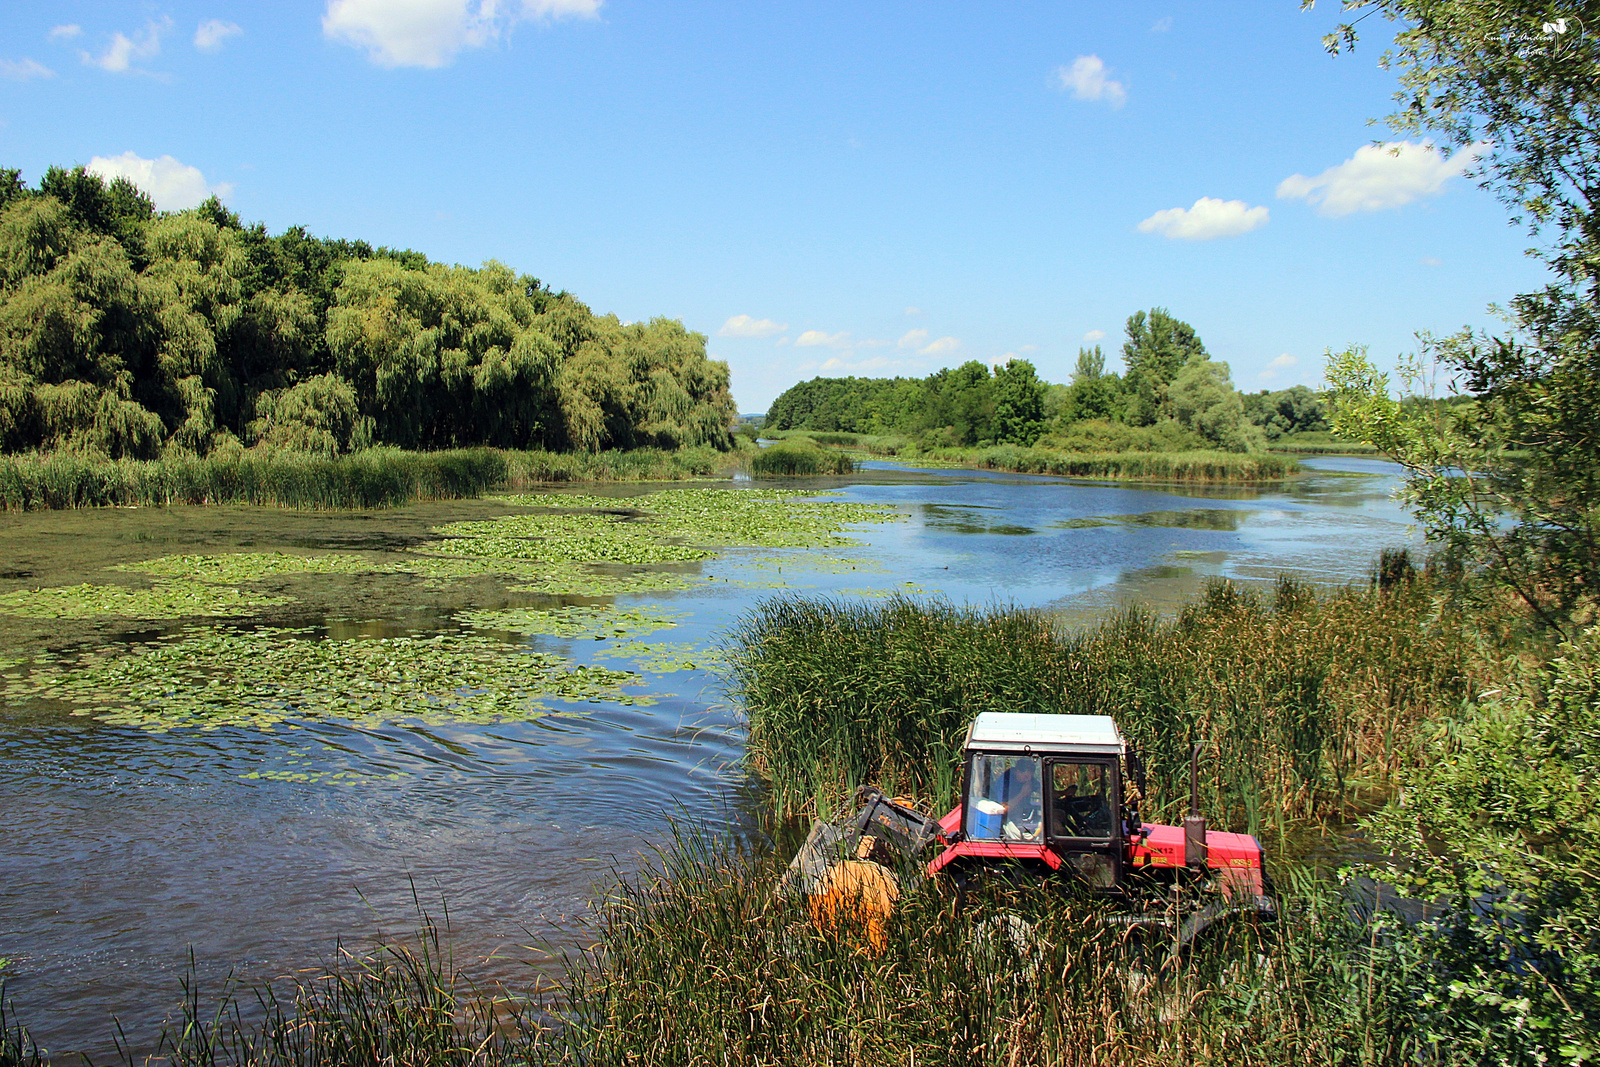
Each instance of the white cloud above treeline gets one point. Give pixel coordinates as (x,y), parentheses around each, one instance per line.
(123,50)
(174,186)
(1086,78)
(1207,220)
(942,347)
(65,32)
(210,34)
(1380,176)
(819,338)
(430,33)
(1283,362)
(746,326)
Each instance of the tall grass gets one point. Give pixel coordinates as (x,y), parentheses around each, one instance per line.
(703,965)
(1305,703)
(379,477)
(799,459)
(1233,468)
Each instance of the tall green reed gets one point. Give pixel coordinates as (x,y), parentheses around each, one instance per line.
(701,964)
(799,458)
(1304,702)
(373,478)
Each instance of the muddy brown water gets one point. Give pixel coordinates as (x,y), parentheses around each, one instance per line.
(122,851)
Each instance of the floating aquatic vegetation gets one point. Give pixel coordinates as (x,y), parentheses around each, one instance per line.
(667,657)
(574,538)
(169,599)
(231,568)
(772,518)
(600,584)
(264,677)
(576,622)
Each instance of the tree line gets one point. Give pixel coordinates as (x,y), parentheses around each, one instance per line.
(1171,395)
(129,332)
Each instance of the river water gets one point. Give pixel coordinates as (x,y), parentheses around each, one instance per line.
(123,850)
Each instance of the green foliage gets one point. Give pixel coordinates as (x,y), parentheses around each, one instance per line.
(1296,410)
(1203,401)
(1157,348)
(124,333)
(1093,394)
(1500,823)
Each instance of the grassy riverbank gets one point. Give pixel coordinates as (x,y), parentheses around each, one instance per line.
(1202,467)
(378,477)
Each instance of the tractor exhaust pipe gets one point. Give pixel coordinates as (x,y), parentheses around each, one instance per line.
(1194,824)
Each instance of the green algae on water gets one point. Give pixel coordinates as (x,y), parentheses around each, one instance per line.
(262,678)
(576,621)
(170,599)
(232,568)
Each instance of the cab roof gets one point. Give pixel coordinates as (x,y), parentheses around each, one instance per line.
(1009,731)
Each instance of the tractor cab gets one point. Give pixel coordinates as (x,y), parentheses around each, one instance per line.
(1044,789)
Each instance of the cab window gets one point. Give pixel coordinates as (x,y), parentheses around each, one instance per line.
(1080,799)
(1004,798)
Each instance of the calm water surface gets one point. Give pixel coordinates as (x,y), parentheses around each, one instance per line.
(120,850)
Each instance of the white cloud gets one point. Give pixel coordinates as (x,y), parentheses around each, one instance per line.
(210,34)
(429,33)
(62,33)
(1087,80)
(1094,335)
(1208,219)
(876,366)
(1283,362)
(913,311)
(123,50)
(1163,24)
(814,338)
(1379,176)
(24,69)
(174,186)
(912,338)
(1431,261)
(745,326)
(942,347)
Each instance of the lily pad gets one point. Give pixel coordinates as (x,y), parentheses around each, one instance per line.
(261,678)
(172,599)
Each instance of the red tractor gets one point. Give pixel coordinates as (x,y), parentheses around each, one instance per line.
(1052,797)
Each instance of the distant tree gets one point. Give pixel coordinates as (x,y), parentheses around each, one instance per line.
(1018,403)
(1203,400)
(1094,394)
(1158,346)
(1293,410)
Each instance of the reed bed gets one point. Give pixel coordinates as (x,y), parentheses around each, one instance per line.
(1305,703)
(374,478)
(1210,468)
(799,459)
(702,965)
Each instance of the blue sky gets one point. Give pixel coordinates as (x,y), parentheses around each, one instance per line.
(871,188)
